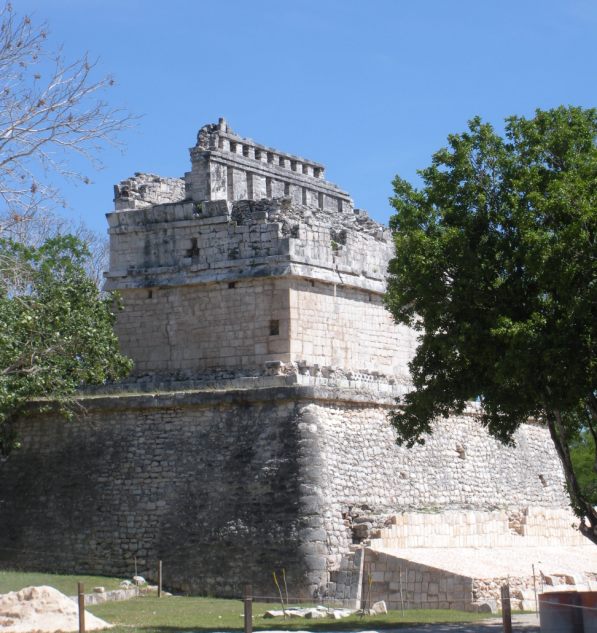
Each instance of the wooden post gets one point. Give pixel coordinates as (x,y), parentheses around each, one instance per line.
(535,590)
(406,586)
(81,602)
(506,609)
(159,579)
(248,599)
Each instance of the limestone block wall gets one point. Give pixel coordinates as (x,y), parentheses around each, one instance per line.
(306,289)
(226,166)
(143,190)
(247,323)
(216,486)
(175,243)
(182,242)
(405,584)
(225,486)
(368,477)
(347,328)
(469,528)
(191,329)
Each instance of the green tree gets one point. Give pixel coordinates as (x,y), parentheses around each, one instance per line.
(582,452)
(56,330)
(495,266)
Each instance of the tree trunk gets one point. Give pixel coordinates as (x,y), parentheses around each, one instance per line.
(580,504)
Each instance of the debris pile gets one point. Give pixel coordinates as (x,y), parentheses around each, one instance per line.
(43,610)
(325,612)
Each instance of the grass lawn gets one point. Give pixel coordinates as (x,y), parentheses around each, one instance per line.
(148,614)
(15,580)
(178,613)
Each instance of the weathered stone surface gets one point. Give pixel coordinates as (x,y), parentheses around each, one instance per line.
(379,608)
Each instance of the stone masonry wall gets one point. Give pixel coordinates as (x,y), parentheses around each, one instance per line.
(191,280)
(226,166)
(405,584)
(347,328)
(226,486)
(190,329)
(185,243)
(144,190)
(212,485)
(529,527)
(250,322)
(368,478)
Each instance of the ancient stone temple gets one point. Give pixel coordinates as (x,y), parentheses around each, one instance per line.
(252,435)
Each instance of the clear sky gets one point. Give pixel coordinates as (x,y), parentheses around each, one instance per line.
(370,88)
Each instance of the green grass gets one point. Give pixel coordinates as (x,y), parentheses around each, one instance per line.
(177,613)
(67,584)
(148,614)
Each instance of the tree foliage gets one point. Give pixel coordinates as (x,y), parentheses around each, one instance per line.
(56,331)
(51,112)
(582,453)
(495,266)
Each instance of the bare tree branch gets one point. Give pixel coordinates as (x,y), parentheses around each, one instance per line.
(50,112)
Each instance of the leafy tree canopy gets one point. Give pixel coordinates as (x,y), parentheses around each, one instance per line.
(495,266)
(56,330)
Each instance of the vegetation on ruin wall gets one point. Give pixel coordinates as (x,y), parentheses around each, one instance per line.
(495,266)
(56,330)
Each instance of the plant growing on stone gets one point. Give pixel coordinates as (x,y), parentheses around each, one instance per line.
(56,330)
(495,266)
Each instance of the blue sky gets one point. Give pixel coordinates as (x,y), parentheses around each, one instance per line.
(369,88)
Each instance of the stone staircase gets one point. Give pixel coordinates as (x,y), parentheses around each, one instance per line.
(460,560)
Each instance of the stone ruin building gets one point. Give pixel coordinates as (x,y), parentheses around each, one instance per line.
(252,435)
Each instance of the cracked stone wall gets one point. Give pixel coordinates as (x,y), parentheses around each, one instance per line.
(239,285)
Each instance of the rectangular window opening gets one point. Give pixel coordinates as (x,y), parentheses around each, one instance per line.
(274,327)
(232,284)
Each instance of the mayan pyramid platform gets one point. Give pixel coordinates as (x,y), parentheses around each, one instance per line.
(252,435)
